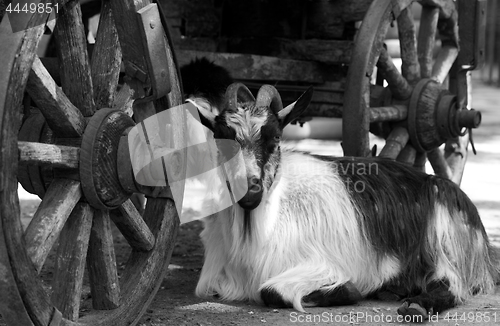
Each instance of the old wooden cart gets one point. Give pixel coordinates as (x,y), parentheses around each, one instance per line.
(62,122)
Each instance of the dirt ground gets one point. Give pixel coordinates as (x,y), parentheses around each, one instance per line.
(175,303)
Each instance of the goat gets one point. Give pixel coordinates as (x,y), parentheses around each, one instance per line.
(326,231)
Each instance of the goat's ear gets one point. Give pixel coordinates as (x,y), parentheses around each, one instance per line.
(207,117)
(295,110)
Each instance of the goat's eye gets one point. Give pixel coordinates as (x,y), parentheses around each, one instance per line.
(277,138)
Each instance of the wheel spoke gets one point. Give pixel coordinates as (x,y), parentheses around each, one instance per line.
(420,161)
(408,44)
(397,83)
(55,155)
(456,156)
(133,227)
(70,262)
(124,100)
(426,39)
(395,143)
(161,217)
(61,115)
(388,113)
(444,61)
(439,163)
(49,219)
(101,262)
(106,59)
(407,155)
(73,58)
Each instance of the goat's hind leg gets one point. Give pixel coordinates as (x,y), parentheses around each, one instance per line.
(435,299)
(309,284)
(345,294)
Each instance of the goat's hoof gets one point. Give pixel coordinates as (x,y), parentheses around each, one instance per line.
(413,309)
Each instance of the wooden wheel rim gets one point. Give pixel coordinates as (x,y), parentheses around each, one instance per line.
(24,300)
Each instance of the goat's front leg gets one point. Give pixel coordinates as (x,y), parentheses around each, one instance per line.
(308,285)
(218,276)
(212,273)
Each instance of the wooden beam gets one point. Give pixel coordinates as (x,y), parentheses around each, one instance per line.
(323,51)
(255,67)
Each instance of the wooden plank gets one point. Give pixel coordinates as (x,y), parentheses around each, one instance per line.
(175,97)
(106,59)
(353,10)
(324,51)
(73,58)
(55,155)
(129,31)
(70,262)
(101,262)
(49,219)
(254,67)
(133,227)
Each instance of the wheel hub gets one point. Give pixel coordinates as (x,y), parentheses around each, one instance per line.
(434,116)
(99,157)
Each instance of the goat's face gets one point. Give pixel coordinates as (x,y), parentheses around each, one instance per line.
(257,126)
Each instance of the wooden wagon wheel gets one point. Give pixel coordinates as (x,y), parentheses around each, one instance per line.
(416,111)
(70,155)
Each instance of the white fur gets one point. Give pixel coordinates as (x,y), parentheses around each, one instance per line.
(304,236)
(449,242)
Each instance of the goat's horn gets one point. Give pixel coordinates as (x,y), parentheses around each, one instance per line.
(268,96)
(237,92)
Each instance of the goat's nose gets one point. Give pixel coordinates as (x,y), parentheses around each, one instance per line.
(254,185)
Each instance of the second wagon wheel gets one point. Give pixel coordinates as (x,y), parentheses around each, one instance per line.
(69,150)
(420,109)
